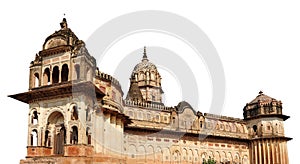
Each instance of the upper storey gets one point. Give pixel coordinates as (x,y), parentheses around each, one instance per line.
(64,58)
(263,106)
(145,82)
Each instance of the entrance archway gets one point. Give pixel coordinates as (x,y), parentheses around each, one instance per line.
(56,121)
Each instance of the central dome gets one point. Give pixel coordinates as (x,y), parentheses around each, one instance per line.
(144,66)
(145,82)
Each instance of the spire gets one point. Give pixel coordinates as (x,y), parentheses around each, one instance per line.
(145,55)
(64,24)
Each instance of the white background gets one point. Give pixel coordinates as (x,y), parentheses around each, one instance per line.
(258,43)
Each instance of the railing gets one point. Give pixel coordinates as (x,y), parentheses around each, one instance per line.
(147,105)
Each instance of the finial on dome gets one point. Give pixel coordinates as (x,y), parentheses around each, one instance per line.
(260,92)
(64,23)
(145,55)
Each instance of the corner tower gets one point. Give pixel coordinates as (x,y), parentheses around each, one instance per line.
(61,98)
(264,119)
(145,82)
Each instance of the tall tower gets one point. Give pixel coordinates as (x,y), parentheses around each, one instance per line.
(61,98)
(145,82)
(264,119)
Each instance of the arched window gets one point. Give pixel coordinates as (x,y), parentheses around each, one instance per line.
(34,118)
(36,80)
(47,139)
(55,75)
(46,76)
(64,73)
(74,115)
(254,129)
(77,71)
(74,135)
(88,136)
(34,138)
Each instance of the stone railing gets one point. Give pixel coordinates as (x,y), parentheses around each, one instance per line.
(147,105)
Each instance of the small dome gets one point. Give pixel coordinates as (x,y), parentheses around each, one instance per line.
(62,37)
(261,97)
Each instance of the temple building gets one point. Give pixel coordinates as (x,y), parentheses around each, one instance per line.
(77,114)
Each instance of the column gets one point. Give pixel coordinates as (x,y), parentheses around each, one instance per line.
(68,134)
(259,152)
(281,154)
(264,152)
(277,152)
(273,151)
(255,152)
(268,152)
(286,153)
(40,137)
(252,153)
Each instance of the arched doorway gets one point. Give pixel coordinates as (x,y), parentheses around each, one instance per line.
(56,122)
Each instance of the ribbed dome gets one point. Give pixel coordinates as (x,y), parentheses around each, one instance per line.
(262,98)
(145,78)
(144,66)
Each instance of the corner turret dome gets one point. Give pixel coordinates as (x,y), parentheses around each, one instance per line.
(263,106)
(62,37)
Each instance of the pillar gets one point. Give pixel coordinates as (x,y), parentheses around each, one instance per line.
(264,152)
(255,152)
(259,152)
(273,151)
(268,152)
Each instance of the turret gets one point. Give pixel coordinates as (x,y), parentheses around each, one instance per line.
(264,119)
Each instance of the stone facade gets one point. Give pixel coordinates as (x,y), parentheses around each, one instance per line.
(77,114)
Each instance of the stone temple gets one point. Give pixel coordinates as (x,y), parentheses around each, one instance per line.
(77,114)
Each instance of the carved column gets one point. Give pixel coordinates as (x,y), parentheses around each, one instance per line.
(268,152)
(264,152)
(286,153)
(255,152)
(259,151)
(273,151)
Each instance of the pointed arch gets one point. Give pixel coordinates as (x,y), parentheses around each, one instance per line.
(46,76)
(64,73)
(166,154)
(184,157)
(55,75)
(158,155)
(74,135)
(150,154)
(88,136)
(34,117)
(74,113)
(47,141)
(190,155)
(142,153)
(34,138)
(132,151)
(176,156)
(36,80)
